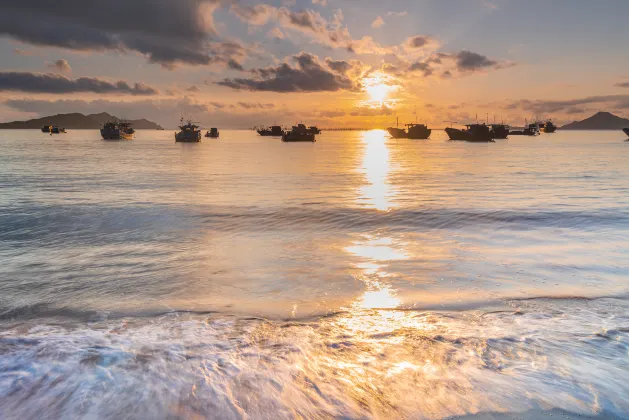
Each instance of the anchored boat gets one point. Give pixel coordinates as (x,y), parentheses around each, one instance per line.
(117,131)
(213,133)
(273,131)
(529,130)
(46,129)
(550,127)
(475,133)
(56,130)
(299,133)
(189,133)
(314,130)
(500,131)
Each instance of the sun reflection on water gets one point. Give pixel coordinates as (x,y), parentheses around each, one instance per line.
(376,166)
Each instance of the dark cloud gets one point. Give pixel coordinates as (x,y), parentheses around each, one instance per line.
(425,67)
(471,61)
(338,66)
(235,65)
(193,89)
(420,41)
(570,106)
(622,85)
(61,65)
(53,83)
(309,75)
(166,31)
(255,105)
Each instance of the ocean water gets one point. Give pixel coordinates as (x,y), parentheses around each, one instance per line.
(357,277)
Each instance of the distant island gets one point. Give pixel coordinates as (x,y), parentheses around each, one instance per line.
(599,121)
(76,121)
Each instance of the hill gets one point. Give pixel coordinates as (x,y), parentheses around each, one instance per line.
(76,121)
(599,121)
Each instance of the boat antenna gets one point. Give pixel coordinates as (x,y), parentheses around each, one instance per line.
(477,118)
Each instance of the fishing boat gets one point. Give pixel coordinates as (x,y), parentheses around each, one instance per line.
(117,130)
(273,131)
(418,131)
(314,130)
(500,131)
(213,133)
(549,127)
(299,133)
(475,133)
(56,130)
(626,131)
(46,129)
(530,130)
(189,133)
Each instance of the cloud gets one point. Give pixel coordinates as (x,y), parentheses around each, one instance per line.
(371,112)
(399,14)
(61,65)
(570,106)
(622,84)
(52,83)
(377,23)
(322,3)
(20,51)
(463,62)
(166,31)
(420,41)
(255,105)
(471,61)
(193,89)
(309,75)
(275,33)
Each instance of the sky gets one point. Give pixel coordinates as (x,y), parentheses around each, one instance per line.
(333,63)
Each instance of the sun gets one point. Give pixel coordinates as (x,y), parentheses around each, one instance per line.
(379,87)
(378,93)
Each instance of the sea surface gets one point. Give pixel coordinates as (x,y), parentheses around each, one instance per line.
(358,277)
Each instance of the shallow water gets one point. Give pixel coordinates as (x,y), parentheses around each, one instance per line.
(357,277)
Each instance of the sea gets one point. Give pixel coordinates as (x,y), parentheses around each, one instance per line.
(358,277)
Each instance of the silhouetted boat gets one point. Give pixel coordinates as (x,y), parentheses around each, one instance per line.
(189,133)
(626,131)
(299,133)
(500,131)
(117,131)
(418,131)
(314,130)
(46,129)
(274,131)
(529,130)
(550,127)
(475,133)
(56,130)
(213,133)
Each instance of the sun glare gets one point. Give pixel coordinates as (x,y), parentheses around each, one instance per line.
(378,88)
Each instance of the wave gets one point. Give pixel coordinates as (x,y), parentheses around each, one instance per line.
(35,222)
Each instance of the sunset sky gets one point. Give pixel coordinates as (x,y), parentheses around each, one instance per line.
(236,64)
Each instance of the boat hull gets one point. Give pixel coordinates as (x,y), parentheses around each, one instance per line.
(268,133)
(419,135)
(461,135)
(188,137)
(295,138)
(550,129)
(112,135)
(397,133)
(626,131)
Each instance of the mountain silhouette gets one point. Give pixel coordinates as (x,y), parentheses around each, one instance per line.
(599,121)
(76,121)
